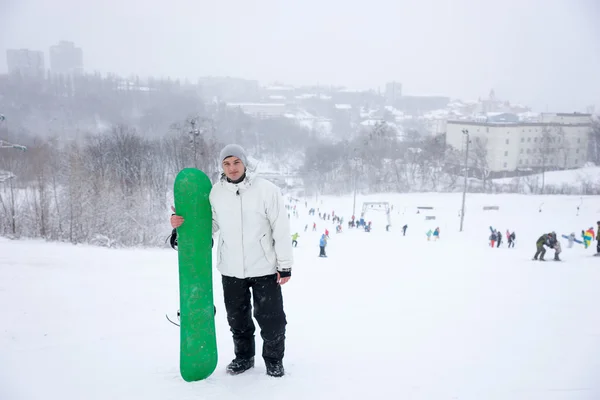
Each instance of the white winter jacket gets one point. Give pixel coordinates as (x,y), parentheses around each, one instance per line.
(254,228)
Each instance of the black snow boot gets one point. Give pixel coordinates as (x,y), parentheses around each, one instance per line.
(239,365)
(275,368)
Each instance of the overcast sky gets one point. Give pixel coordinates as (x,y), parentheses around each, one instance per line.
(545,53)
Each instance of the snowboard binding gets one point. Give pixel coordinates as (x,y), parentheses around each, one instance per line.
(178,323)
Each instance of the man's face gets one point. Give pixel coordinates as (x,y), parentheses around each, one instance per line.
(233,167)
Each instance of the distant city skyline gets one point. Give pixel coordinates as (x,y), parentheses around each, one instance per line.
(544,54)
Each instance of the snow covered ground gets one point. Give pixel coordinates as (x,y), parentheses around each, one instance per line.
(384,316)
(572,177)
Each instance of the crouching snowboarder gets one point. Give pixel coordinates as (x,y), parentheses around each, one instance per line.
(557,250)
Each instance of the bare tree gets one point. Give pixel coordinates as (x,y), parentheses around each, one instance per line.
(479,159)
(546,149)
(594,141)
(10,206)
(40,166)
(561,150)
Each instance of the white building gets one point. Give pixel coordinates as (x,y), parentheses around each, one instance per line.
(66,59)
(555,141)
(26,62)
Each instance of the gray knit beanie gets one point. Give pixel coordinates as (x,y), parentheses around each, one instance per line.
(234,150)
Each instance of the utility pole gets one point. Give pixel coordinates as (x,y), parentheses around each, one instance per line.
(354,162)
(193,136)
(354,202)
(462,212)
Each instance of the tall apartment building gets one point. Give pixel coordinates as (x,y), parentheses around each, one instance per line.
(29,63)
(66,59)
(393,91)
(557,141)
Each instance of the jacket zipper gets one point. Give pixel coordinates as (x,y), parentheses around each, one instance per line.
(242,225)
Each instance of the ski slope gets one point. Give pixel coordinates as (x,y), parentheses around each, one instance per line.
(384,316)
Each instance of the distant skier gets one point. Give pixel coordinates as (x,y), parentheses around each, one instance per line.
(295,239)
(571,240)
(436,233)
(493,238)
(404,228)
(511,239)
(429,233)
(499,239)
(322,244)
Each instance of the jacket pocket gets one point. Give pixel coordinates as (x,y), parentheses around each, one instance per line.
(268,250)
(220,252)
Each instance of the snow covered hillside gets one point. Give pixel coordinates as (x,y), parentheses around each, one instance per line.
(384,316)
(573,177)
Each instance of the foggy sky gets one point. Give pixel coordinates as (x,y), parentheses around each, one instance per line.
(544,53)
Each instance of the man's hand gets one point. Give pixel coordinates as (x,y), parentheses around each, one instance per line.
(282,281)
(176,220)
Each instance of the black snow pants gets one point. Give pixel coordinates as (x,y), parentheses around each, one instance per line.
(268,311)
(322,251)
(541,251)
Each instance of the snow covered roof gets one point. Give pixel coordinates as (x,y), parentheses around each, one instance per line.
(374,122)
(394,111)
(256,104)
(305,96)
(529,114)
(343,106)
(279,88)
(371,122)
(300,115)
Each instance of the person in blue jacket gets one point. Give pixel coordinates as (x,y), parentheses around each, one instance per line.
(322,244)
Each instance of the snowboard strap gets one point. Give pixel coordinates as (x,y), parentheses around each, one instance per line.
(173,239)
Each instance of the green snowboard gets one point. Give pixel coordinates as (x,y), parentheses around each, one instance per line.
(198,351)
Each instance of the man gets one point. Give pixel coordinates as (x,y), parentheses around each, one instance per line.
(543,240)
(254,252)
